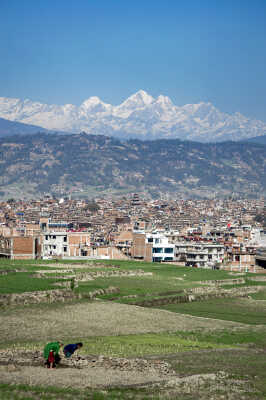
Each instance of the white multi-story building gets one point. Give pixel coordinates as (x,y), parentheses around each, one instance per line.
(65,244)
(152,247)
(162,250)
(54,244)
(261,251)
(155,247)
(199,254)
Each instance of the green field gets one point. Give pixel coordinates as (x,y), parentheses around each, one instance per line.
(238,310)
(164,278)
(12,283)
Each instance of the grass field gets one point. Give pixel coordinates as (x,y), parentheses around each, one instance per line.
(164,278)
(196,338)
(238,310)
(259,296)
(12,283)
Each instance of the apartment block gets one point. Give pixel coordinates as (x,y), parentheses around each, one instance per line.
(152,247)
(199,254)
(65,244)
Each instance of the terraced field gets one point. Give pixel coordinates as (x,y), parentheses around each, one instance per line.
(210,336)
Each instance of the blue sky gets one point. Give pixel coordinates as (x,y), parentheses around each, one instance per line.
(59,52)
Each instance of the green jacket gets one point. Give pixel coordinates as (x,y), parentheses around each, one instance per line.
(54,346)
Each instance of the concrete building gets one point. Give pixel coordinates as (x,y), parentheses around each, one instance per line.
(20,247)
(141,249)
(152,247)
(199,254)
(260,257)
(241,255)
(124,242)
(65,244)
(107,253)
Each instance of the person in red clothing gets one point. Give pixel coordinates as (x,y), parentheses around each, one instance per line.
(51,360)
(51,354)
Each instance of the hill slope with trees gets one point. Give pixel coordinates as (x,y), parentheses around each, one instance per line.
(52,163)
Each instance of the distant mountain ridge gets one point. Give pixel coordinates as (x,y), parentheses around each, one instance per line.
(9,128)
(33,164)
(140,116)
(258,139)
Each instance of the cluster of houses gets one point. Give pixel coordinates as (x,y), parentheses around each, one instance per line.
(206,234)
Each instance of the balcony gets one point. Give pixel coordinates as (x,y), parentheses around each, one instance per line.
(4,251)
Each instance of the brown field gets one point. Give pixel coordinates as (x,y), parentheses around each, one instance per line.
(98,318)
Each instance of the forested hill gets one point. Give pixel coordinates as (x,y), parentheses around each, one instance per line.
(54,163)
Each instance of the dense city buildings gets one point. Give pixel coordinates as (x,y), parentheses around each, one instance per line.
(198,233)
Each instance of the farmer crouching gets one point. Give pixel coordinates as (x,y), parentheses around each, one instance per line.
(70,349)
(51,354)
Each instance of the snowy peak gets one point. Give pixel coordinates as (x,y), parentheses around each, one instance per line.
(202,110)
(140,116)
(139,99)
(164,100)
(91,101)
(94,104)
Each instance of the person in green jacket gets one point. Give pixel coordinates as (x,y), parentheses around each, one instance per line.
(51,354)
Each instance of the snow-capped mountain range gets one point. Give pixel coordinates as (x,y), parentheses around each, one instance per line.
(140,116)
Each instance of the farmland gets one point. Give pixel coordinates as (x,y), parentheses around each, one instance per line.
(209,331)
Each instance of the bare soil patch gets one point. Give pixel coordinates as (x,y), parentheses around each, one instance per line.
(104,372)
(77,266)
(26,367)
(81,320)
(90,377)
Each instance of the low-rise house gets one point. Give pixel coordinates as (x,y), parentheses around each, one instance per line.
(241,255)
(20,247)
(124,241)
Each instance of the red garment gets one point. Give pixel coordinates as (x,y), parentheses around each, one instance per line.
(51,357)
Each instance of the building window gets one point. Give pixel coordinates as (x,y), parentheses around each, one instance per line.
(157,250)
(150,240)
(65,249)
(168,250)
(193,256)
(65,238)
